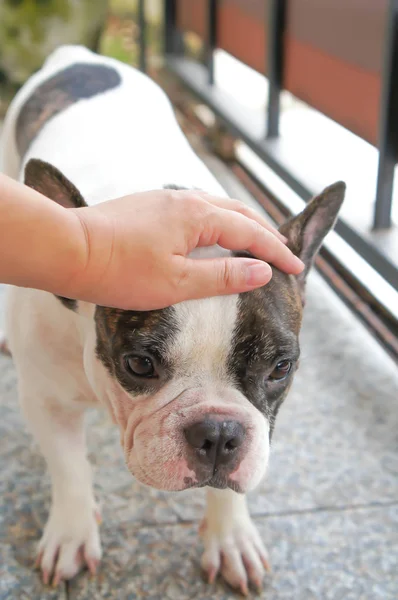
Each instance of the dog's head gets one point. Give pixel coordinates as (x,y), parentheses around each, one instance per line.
(195,388)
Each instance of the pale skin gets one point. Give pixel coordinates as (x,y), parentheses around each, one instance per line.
(132,252)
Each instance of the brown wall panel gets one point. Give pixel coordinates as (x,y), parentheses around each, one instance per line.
(350,30)
(343,92)
(192,16)
(333,51)
(240,31)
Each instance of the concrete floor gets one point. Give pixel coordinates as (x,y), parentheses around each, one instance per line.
(328,509)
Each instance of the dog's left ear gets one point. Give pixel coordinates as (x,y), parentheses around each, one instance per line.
(306,231)
(49,181)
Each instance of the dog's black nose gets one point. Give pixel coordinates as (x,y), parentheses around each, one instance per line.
(216,442)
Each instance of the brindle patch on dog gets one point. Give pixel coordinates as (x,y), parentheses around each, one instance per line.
(126,333)
(268,325)
(77,82)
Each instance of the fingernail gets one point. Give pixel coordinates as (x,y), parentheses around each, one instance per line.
(258,273)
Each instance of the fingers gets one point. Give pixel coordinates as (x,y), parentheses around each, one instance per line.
(234,231)
(228,204)
(202,278)
(243,209)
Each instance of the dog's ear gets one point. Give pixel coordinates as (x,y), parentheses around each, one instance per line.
(306,231)
(49,181)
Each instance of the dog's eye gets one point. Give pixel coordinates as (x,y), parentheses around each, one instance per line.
(140,366)
(281,370)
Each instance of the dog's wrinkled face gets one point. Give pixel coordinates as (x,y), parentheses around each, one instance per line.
(195,388)
(199,384)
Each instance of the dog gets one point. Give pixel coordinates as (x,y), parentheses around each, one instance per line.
(194,388)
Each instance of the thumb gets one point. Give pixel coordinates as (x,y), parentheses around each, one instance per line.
(214,277)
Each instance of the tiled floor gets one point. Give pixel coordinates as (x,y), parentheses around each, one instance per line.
(328,509)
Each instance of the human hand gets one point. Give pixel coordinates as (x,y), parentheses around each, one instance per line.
(137,249)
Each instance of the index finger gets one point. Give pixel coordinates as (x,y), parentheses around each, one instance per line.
(234,231)
(243,209)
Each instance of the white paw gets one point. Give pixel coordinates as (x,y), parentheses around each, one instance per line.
(70,540)
(235,550)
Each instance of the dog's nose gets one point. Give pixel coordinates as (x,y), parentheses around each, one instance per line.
(216,442)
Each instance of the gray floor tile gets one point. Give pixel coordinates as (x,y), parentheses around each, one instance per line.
(22,518)
(19,582)
(334,555)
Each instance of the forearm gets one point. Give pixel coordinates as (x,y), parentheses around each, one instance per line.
(42,244)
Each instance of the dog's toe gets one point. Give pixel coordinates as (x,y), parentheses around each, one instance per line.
(66,547)
(238,554)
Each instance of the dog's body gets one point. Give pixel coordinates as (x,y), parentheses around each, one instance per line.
(203,413)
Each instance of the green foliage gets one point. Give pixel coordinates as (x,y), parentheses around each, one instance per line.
(31,29)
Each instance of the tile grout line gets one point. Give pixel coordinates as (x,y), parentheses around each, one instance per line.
(331,508)
(288,513)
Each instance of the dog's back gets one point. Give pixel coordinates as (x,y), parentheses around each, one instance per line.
(115,129)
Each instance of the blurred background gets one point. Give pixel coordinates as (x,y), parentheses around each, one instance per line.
(30,30)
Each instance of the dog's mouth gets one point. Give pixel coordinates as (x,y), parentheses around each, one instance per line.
(217,480)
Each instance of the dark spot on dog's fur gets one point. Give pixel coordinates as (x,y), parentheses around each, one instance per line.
(267,329)
(174,186)
(120,333)
(68,302)
(77,82)
(188,481)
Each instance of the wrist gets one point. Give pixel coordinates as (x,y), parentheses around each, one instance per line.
(72,259)
(95,243)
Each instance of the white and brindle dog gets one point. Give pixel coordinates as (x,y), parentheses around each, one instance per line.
(194,388)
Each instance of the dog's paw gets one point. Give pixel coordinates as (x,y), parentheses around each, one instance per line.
(234,550)
(70,541)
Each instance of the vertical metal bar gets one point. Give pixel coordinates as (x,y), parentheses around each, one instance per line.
(276,27)
(142,26)
(173,39)
(211,37)
(388,129)
(170,14)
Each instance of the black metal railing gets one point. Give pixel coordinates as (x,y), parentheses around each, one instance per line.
(277,17)
(388,128)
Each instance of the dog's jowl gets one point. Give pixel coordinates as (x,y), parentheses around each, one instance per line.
(195,388)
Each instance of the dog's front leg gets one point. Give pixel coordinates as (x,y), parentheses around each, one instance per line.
(71,536)
(232,544)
